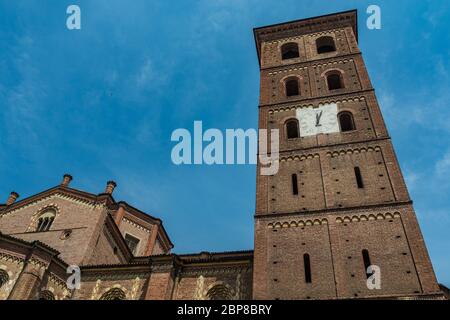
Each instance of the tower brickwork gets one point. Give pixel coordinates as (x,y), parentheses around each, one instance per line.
(338,203)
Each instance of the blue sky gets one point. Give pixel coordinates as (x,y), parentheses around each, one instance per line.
(101,103)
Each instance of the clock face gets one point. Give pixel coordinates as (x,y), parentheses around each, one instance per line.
(314,121)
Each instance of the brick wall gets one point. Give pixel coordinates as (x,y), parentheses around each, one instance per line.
(82,219)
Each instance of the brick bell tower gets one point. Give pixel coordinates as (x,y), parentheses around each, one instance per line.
(338,203)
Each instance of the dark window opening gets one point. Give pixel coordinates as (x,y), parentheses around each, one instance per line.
(334,81)
(292,88)
(359,180)
(292,129)
(132,243)
(294,185)
(307,263)
(4,278)
(44,224)
(346,122)
(289,51)
(325,44)
(367,263)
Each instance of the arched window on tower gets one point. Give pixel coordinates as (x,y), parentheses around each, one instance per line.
(325,44)
(292,129)
(334,81)
(45,220)
(346,122)
(307,264)
(292,87)
(289,51)
(4,278)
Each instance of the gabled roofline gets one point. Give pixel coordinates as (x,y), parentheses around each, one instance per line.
(146,217)
(74,192)
(93,198)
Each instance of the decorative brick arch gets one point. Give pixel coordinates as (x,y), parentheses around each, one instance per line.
(331,70)
(47,295)
(34,219)
(115,292)
(219,290)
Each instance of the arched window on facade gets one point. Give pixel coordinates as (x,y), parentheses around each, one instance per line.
(346,122)
(113,294)
(335,81)
(219,292)
(46,295)
(4,278)
(292,87)
(292,129)
(45,220)
(289,51)
(325,44)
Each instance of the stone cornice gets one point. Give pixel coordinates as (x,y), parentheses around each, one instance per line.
(318,62)
(311,214)
(311,101)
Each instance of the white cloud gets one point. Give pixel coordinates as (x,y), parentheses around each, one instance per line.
(411,178)
(145,74)
(443,165)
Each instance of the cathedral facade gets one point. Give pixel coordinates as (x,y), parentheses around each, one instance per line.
(337,207)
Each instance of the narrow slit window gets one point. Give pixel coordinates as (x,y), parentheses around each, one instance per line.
(367,263)
(307,263)
(294,185)
(358,176)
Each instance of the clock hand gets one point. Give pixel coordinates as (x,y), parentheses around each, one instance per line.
(318,117)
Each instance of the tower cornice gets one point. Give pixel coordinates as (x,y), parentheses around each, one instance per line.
(305,26)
